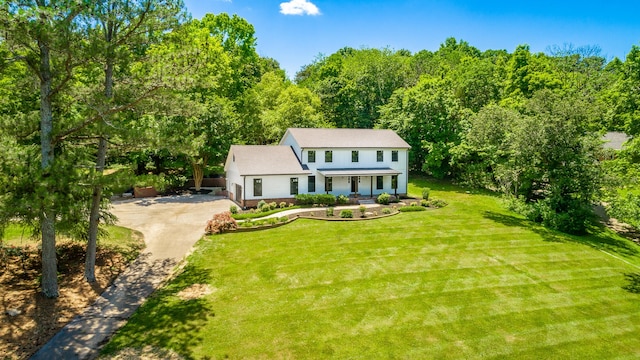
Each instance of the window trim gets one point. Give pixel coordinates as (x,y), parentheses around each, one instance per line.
(394,155)
(379,182)
(328,184)
(355,156)
(379,156)
(309,157)
(394,182)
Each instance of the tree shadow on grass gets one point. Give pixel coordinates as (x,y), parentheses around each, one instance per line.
(633,285)
(598,237)
(166,321)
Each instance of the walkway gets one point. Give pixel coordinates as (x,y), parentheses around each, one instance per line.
(171,226)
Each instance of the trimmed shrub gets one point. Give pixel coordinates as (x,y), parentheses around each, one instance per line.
(386,211)
(425,193)
(272,221)
(424,202)
(273,205)
(261,204)
(283,205)
(384,199)
(411,208)
(233,209)
(329,211)
(304,199)
(342,199)
(346,214)
(220,223)
(325,199)
(283,219)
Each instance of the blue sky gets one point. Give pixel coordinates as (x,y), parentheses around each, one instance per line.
(294,32)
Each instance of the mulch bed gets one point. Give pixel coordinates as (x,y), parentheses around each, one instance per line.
(39,318)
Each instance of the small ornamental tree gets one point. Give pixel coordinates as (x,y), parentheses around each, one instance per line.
(220,223)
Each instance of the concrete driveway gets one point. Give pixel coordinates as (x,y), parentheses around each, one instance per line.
(171,226)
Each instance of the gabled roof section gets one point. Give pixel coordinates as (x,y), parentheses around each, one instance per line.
(346,138)
(265,160)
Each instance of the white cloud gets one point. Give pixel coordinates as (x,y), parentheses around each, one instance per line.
(299,7)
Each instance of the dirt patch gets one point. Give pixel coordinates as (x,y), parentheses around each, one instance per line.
(28,319)
(195,291)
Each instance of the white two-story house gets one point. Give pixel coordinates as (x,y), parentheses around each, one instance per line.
(352,162)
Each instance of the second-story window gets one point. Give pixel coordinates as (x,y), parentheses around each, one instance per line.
(380,156)
(328,156)
(311,156)
(394,156)
(354,156)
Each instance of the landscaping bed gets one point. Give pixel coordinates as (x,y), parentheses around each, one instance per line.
(29,319)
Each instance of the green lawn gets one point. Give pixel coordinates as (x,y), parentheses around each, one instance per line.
(470,280)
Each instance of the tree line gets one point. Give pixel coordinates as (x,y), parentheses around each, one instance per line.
(95,92)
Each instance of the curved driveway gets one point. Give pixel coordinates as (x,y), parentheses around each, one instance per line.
(171,226)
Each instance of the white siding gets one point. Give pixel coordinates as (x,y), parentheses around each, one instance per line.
(276,186)
(290,141)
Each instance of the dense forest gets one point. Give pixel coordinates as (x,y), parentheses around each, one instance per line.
(98,96)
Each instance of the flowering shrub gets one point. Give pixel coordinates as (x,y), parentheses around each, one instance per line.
(384,199)
(220,223)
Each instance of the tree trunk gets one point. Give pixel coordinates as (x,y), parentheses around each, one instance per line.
(47,214)
(198,174)
(94,216)
(96,200)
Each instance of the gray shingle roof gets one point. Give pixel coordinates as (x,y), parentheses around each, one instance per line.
(347,138)
(266,160)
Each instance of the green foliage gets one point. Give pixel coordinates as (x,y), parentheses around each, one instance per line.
(261,204)
(425,193)
(363,210)
(315,199)
(384,198)
(346,214)
(282,205)
(233,209)
(411,208)
(329,211)
(342,199)
(386,211)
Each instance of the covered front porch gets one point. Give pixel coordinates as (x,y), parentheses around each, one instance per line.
(360,182)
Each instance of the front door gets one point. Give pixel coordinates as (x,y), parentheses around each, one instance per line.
(238,193)
(354,184)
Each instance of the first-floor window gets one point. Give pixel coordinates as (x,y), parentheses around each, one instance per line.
(394,182)
(328,184)
(257,187)
(312,184)
(294,186)
(379,182)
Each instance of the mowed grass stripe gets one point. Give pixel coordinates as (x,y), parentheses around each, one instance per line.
(466,281)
